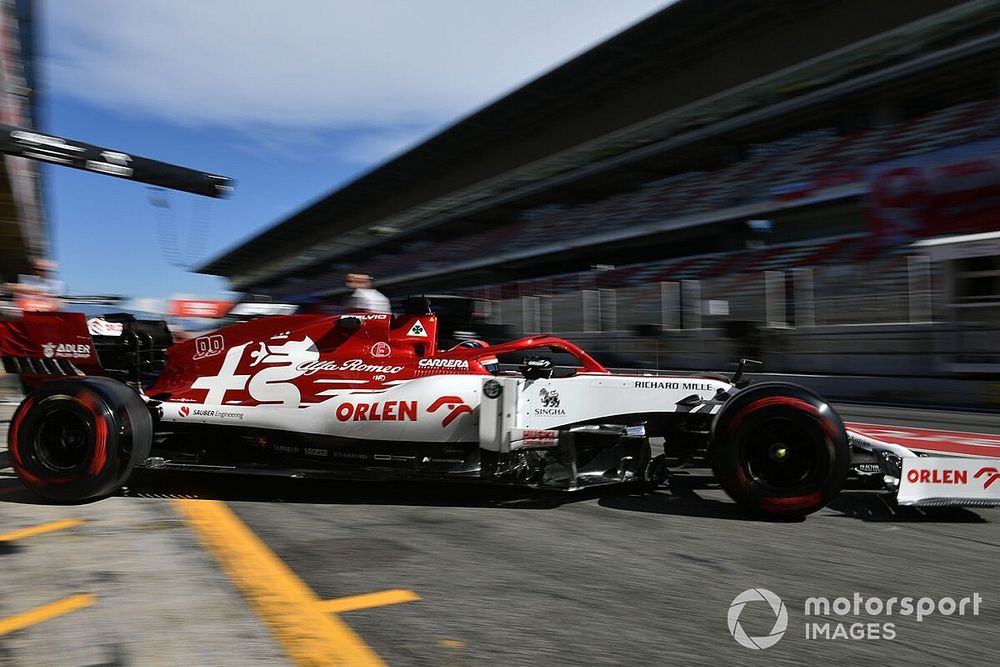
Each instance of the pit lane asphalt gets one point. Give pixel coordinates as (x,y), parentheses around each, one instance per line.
(510,579)
(554,579)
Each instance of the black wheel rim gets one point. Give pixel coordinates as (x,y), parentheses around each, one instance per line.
(63,440)
(782,455)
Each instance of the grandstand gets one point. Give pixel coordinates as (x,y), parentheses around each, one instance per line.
(720,178)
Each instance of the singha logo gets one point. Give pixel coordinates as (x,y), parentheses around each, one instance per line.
(550,404)
(550,399)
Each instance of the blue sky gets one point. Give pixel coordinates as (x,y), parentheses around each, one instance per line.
(290,99)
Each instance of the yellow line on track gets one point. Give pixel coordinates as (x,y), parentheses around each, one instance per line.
(367,601)
(44,613)
(39,530)
(309,635)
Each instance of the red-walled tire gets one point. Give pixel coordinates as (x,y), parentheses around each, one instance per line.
(779,449)
(78,439)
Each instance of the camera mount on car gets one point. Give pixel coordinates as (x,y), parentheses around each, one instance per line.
(534,368)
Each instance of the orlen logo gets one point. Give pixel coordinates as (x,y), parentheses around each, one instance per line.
(184,411)
(993,473)
(456,406)
(388,411)
(934,476)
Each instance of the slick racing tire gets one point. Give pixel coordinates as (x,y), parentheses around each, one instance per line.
(78,439)
(779,450)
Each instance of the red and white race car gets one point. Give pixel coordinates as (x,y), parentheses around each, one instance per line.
(371,396)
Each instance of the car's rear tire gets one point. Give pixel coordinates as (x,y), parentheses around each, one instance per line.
(779,450)
(78,439)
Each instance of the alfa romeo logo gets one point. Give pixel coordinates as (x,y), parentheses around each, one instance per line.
(780,621)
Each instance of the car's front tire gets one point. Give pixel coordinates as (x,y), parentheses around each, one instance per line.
(78,439)
(780,450)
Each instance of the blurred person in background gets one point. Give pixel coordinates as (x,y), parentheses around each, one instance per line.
(365,298)
(38,291)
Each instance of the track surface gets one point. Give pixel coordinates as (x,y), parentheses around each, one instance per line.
(567,580)
(630,580)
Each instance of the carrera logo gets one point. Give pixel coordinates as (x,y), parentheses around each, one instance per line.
(937,476)
(991,474)
(443,363)
(184,411)
(65,350)
(454,404)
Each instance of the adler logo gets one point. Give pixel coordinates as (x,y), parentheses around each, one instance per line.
(65,350)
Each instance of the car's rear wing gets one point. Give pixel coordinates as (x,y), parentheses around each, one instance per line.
(44,346)
(44,343)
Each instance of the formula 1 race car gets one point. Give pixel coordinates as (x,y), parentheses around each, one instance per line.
(371,396)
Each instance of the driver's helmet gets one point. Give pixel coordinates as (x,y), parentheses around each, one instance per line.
(493,367)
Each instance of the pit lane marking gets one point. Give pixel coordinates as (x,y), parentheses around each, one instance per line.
(310,634)
(40,529)
(45,612)
(367,601)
